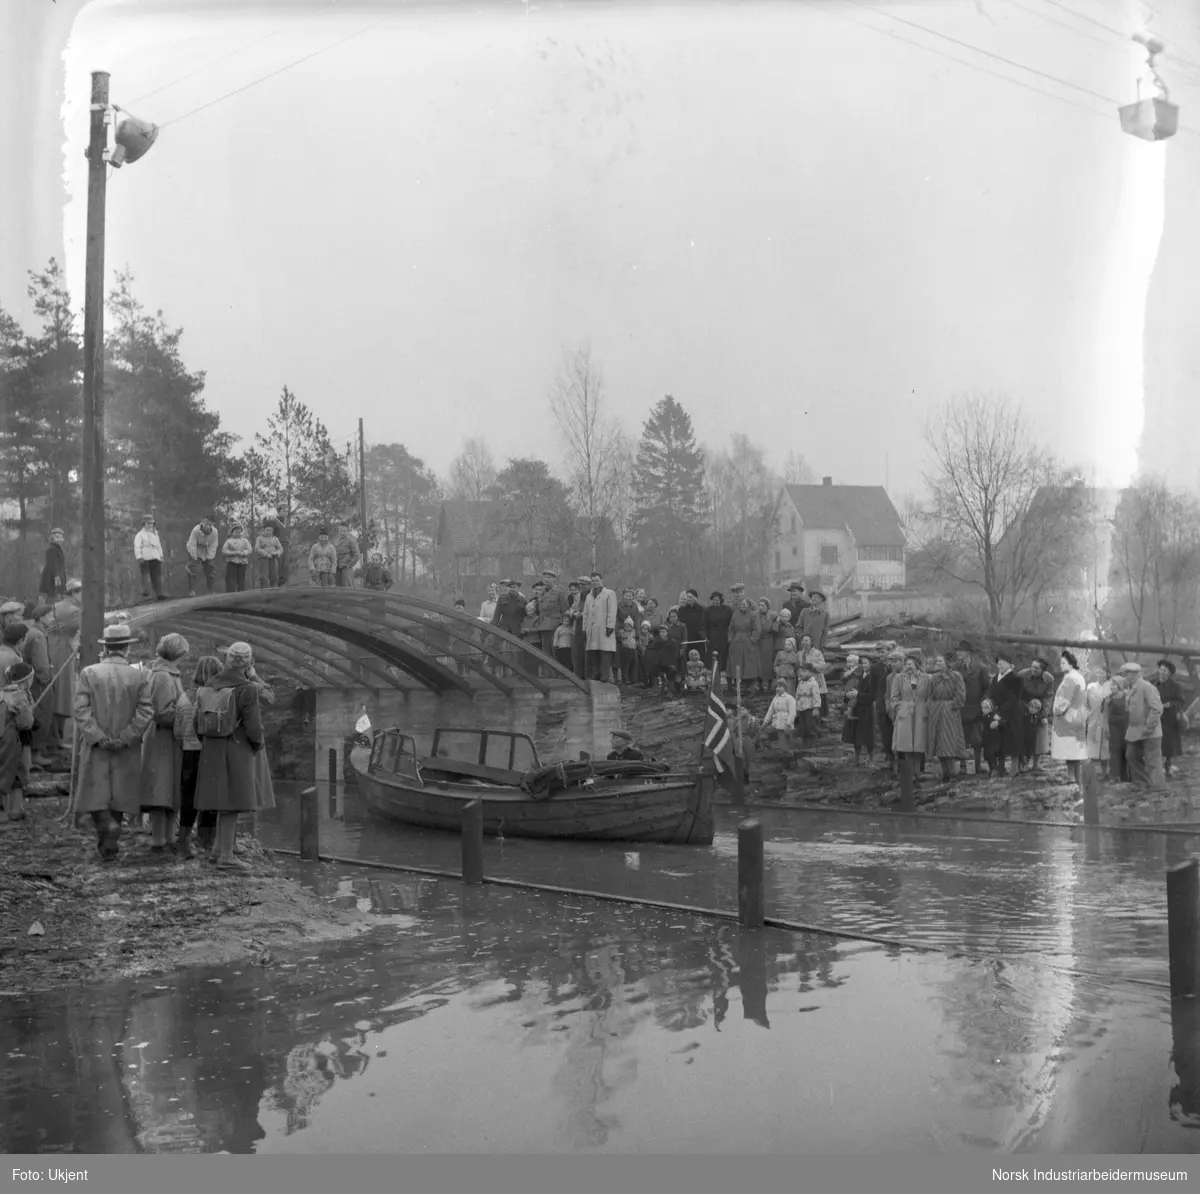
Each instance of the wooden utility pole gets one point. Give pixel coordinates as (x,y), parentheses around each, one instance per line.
(92,613)
(362,489)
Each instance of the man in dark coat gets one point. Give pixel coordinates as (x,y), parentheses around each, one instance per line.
(691,614)
(977,678)
(1037,699)
(716,630)
(281,534)
(877,674)
(797,603)
(575,594)
(510,609)
(53,582)
(1003,718)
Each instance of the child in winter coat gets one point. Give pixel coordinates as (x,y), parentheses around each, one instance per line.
(808,704)
(643,642)
(627,652)
(237,552)
(662,659)
(375,575)
(697,676)
(780,717)
(564,633)
(267,550)
(787,664)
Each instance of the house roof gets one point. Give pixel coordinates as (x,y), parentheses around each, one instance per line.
(865,509)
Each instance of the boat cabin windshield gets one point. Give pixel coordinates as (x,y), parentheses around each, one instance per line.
(489,748)
(394,752)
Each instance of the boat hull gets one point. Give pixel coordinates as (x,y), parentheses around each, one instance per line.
(676,810)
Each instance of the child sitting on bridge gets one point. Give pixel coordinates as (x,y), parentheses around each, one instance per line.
(697,675)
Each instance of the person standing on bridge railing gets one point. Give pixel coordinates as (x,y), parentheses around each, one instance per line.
(322,561)
(148,551)
(267,553)
(347,553)
(202,555)
(237,551)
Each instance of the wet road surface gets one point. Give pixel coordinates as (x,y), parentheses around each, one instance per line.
(499,1020)
(492,1020)
(1086,900)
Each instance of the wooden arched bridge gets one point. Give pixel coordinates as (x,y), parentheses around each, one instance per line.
(408,661)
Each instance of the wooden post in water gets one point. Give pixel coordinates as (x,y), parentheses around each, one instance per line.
(333,780)
(1183,927)
(907,802)
(1090,783)
(472,842)
(750,874)
(310,826)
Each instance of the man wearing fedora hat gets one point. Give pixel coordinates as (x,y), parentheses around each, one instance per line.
(53,580)
(147,550)
(113,710)
(1143,735)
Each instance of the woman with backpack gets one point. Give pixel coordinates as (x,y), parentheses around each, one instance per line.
(229,726)
(162,753)
(185,732)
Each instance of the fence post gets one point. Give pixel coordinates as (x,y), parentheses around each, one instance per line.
(1183,926)
(750,874)
(1090,777)
(907,803)
(472,842)
(310,826)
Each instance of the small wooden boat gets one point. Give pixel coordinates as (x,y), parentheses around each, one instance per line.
(603,801)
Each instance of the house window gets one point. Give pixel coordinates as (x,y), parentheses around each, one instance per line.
(489,566)
(528,568)
(829,554)
(793,524)
(881,554)
(467,567)
(778,565)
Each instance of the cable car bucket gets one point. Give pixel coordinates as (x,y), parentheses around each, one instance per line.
(1152,118)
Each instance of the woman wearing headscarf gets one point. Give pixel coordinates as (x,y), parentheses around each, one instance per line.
(908,696)
(162,752)
(1117,713)
(743,643)
(766,644)
(229,726)
(715,623)
(945,740)
(1172,715)
(185,733)
(1068,740)
(858,730)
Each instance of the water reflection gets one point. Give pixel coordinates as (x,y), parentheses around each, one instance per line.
(588,1017)
(1091,900)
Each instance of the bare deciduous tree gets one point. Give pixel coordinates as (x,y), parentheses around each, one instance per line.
(1007,515)
(472,475)
(592,442)
(797,470)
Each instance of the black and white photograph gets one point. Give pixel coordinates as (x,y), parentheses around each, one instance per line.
(600,577)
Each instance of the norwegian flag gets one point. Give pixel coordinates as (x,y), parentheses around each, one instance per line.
(717,737)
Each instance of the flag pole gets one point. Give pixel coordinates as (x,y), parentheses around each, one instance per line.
(702,733)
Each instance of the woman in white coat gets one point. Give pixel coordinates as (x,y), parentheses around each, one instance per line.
(1068,737)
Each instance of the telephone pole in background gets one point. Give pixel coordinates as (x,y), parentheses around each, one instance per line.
(92,613)
(362,488)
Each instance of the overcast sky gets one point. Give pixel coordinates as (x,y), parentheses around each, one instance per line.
(795,222)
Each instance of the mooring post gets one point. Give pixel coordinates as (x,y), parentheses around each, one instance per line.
(1183,926)
(750,874)
(1090,783)
(472,842)
(333,780)
(310,826)
(737,791)
(907,803)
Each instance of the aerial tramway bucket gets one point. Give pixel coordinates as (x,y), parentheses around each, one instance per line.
(1151,118)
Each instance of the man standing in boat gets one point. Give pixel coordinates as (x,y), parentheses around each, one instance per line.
(600,626)
(623,747)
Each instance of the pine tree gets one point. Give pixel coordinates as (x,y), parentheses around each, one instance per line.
(668,486)
(167,452)
(308,481)
(535,511)
(404,498)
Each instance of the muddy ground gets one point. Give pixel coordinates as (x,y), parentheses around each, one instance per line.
(141,915)
(669,728)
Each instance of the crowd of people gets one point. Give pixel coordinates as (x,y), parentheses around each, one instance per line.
(629,639)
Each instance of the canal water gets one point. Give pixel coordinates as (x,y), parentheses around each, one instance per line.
(501,1020)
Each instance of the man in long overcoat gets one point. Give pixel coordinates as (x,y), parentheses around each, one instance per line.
(976,679)
(112,713)
(600,626)
(551,607)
